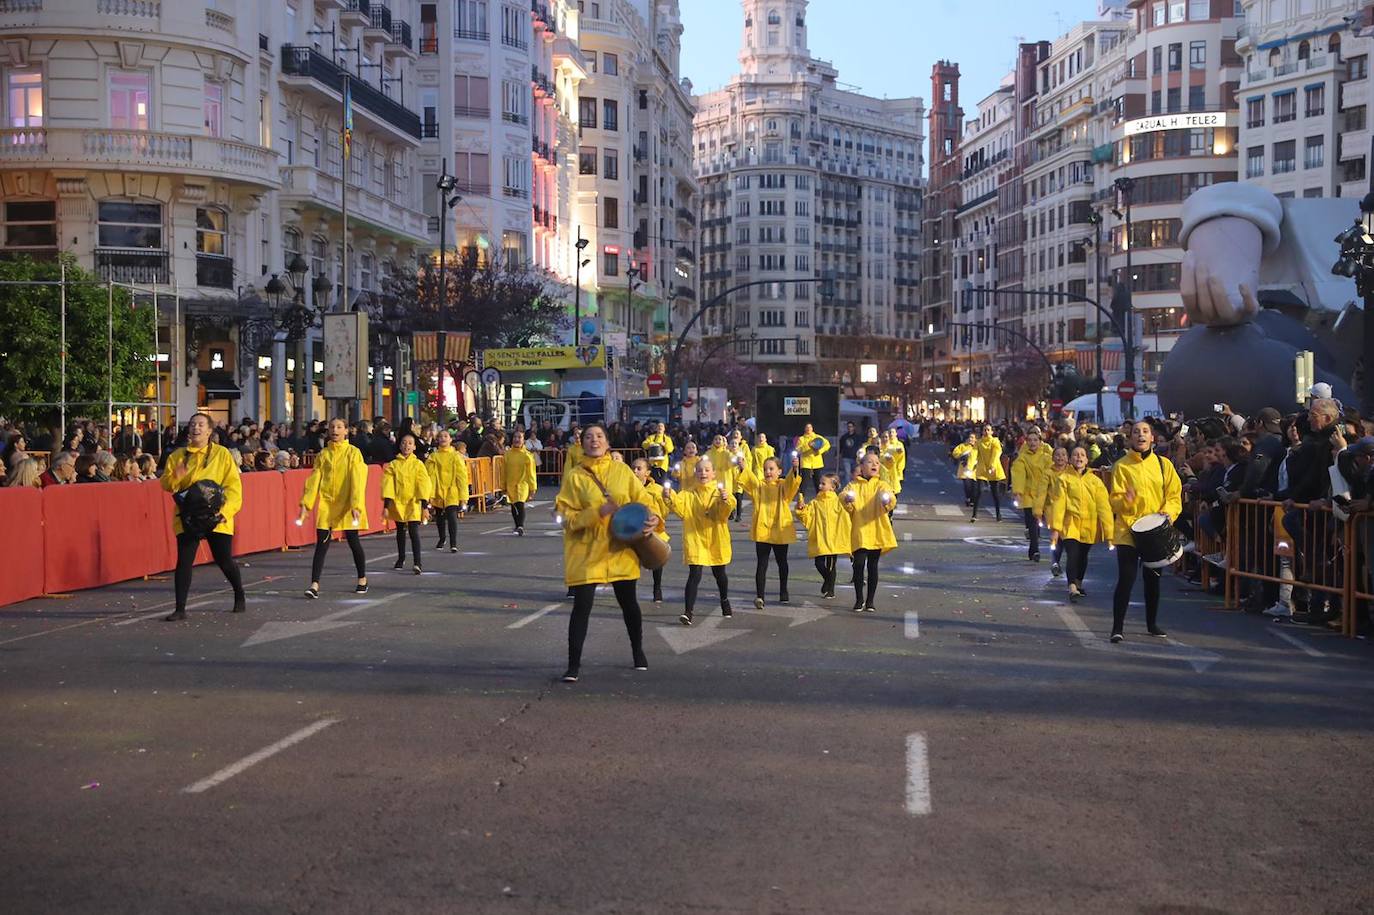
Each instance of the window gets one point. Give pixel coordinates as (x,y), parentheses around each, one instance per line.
(470,19)
(587,112)
(1312,192)
(1174,100)
(1285,156)
(514,22)
(429,28)
(610,115)
(610,264)
(801,317)
(214,108)
(1199,10)
(772,317)
(591,61)
(471,96)
(210,231)
(30,225)
(1254,112)
(516,176)
(1197,98)
(291,244)
(472,171)
(610,212)
(1314,152)
(515,97)
(610,64)
(1316,101)
(772,347)
(124,224)
(429,112)
(367,266)
(1178,10)
(803,263)
(1285,107)
(741,208)
(1197,55)
(742,263)
(1157,59)
(24,98)
(513,247)
(803,208)
(1357,67)
(1254,162)
(130,99)
(264,120)
(1158,13)
(1175,57)
(611,165)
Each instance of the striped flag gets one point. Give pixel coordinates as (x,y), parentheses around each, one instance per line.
(347,119)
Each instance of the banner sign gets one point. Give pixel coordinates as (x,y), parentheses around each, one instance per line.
(544,358)
(1176,122)
(796,406)
(345,356)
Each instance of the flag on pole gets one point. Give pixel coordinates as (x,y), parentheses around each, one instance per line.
(347,119)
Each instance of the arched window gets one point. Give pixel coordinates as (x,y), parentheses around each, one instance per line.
(774,18)
(291,245)
(1304,50)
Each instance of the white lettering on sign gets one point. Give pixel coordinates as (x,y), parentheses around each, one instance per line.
(1176,122)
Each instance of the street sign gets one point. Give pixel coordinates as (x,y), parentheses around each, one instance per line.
(1056,405)
(1126,390)
(491,376)
(655,383)
(412,398)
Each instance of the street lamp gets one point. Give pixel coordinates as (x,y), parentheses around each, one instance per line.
(1357,262)
(1125,187)
(446,185)
(581,246)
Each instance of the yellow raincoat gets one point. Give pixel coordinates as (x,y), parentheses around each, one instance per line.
(520,476)
(339,484)
(827,526)
(660,505)
(811,458)
(687,473)
(1080,509)
(871,521)
(664,442)
(1050,491)
(705,515)
(572,458)
(893,466)
(743,451)
(1030,475)
(214,463)
(967,456)
(723,459)
(448,471)
(1157,489)
(989,467)
(406,483)
(759,454)
(772,521)
(590,556)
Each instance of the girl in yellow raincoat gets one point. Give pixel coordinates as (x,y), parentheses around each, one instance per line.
(658,495)
(448,471)
(705,513)
(685,470)
(203,460)
(988,471)
(870,505)
(1060,470)
(772,527)
(406,489)
(965,455)
(337,490)
(761,452)
(591,494)
(1079,515)
(520,479)
(744,459)
(827,530)
(893,460)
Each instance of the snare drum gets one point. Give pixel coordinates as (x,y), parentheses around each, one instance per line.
(627,527)
(1157,541)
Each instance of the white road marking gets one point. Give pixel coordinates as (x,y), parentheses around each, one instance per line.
(1297,643)
(908,569)
(228,772)
(917,775)
(797,613)
(930,482)
(682,639)
(949,511)
(276,631)
(147,616)
(536,615)
(1170,649)
(906,536)
(913,625)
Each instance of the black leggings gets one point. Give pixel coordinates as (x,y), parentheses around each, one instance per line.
(826,566)
(658,582)
(779,551)
(401,528)
(739,507)
(448,526)
(1127,562)
(583,598)
(517,513)
(996,488)
(970,490)
(221,547)
(866,570)
(1032,530)
(1077,553)
(694,582)
(322,550)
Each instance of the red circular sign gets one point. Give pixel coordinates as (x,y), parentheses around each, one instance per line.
(689,402)
(655,383)
(1126,390)
(1056,404)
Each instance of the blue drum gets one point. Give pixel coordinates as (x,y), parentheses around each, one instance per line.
(627,524)
(817,444)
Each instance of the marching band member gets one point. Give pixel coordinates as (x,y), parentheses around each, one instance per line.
(1060,469)
(965,454)
(406,489)
(591,493)
(811,449)
(448,472)
(827,530)
(893,457)
(685,470)
(658,446)
(744,459)
(988,470)
(1030,475)
(1079,515)
(1143,483)
(521,479)
(658,495)
(572,455)
(337,490)
(870,505)
(705,513)
(771,527)
(761,452)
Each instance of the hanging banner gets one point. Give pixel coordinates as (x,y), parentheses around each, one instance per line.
(544,358)
(345,356)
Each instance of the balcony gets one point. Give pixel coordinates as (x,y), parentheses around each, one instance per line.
(323,189)
(378,26)
(686,216)
(462,34)
(355,13)
(138,151)
(401,43)
(511,117)
(541,14)
(133,265)
(429,130)
(467,111)
(307,63)
(214,271)
(540,80)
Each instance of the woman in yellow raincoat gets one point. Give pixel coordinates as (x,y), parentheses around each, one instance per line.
(965,455)
(705,513)
(1143,484)
(870,505)
(406,490)
(591,494)
(893,458)
(1079,515)
(658,495)
(572,456)
(521,479)
(827,530)
(337,490)
(772,526)
(448,472)
(988,471)
(726,463)
(200,460)
(811,449)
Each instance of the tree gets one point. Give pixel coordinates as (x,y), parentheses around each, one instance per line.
(31,351)
(1021,378)
(723,370)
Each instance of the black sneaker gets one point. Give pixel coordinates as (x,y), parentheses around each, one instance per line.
(175,616)
(1158,633)
(361,588)
(828,595)
(570,675)
(658,597)
(1035,557)
(400,564)
(973,519)
(686,618)
(519,532)
(870,609)
(441,544)
(725,610)
(858,606)
(1117,637)
(312,593)
(1056,570)
(418,570)
(240,605)
(453,549)
(784,599)
(641,662)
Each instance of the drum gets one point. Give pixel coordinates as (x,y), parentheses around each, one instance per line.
(817,444)
(654,451)
(627,527)
(1159,543)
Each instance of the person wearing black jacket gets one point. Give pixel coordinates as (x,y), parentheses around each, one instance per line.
(1309,478)
(849,450)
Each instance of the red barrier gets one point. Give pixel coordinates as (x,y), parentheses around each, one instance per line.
(99,533)
(262,524)
(293,489)
(21,543)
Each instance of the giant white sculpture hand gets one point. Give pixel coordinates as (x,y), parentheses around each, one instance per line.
(1221,272)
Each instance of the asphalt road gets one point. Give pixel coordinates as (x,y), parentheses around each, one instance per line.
(975,746)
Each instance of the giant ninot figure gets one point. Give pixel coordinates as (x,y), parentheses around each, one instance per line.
(1257,287)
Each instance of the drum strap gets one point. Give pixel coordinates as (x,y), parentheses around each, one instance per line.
(597,481)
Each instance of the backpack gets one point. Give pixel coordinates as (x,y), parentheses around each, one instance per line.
(200,505)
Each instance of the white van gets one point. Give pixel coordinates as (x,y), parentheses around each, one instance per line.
(1084,408)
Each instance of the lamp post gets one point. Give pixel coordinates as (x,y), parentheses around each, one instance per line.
(447,200)
(1095,218)
(580,245)
(1125,187)
(1357,262)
